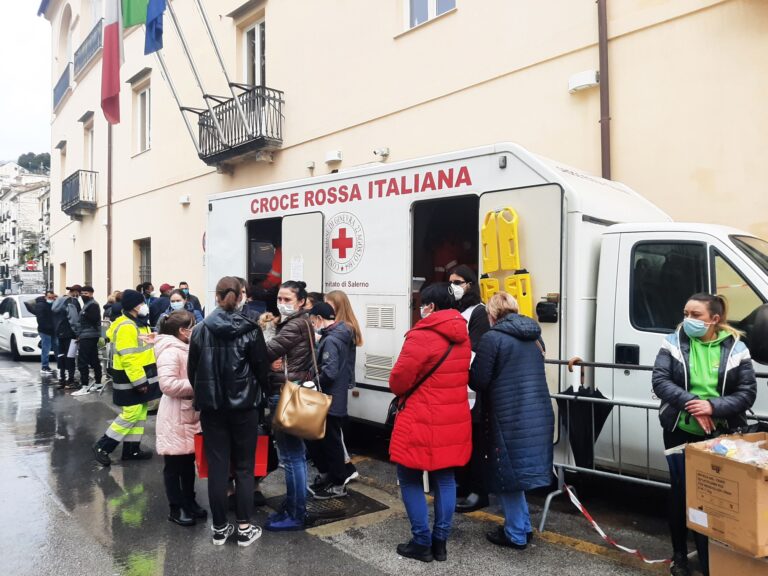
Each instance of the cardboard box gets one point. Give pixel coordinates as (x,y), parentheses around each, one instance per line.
(724,561)
(728,500)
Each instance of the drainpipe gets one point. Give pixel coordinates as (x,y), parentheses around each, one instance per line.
(109,208)
(605,101)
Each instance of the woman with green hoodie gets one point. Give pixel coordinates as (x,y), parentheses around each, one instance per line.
(705,380)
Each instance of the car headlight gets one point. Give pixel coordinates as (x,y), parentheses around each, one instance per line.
(29,334)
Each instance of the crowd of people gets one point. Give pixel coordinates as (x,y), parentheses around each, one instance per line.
(218,374)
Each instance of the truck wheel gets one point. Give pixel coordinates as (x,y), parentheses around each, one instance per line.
(15,349)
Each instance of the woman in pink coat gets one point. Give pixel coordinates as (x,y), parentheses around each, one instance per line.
(177,421)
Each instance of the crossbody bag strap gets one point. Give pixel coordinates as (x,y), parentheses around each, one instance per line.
(425,377)
(314,355)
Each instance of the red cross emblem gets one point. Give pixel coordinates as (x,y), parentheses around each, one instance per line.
(342,243)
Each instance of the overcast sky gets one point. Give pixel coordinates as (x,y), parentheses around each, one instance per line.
(25,79)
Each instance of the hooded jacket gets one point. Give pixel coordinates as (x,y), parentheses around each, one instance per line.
(66,317)
(292,343)
(44,314)
(433,431)
(518,416)
(736,381)
(227,363)
(177,420)
(133,367)
(336,363)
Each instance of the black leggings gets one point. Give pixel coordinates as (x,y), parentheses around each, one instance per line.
(230,435)
(328,453)
(179,477)
(677,506)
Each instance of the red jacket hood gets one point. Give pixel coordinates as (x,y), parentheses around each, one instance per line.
(448,323)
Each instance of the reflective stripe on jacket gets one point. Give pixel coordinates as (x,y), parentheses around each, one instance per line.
(133,368)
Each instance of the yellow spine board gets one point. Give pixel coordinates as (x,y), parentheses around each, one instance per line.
(519,286)
(509,250)
(490,243)
(488,287)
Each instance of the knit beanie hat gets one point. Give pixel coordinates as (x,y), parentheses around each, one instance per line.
(131,299)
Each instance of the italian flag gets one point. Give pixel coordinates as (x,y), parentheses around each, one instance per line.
(112,59)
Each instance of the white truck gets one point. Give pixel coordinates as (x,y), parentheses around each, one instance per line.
(609,272)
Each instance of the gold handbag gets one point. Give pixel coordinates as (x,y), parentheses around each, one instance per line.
(302,408)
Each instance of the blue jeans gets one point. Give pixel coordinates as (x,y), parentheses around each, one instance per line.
(415,502)
(517,520)
(293,457)
(47,343)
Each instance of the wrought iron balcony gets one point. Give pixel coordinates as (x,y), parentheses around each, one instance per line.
(63,86)
(226,139)
(78,194)
(89,48)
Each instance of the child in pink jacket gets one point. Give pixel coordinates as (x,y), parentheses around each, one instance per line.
(177,421)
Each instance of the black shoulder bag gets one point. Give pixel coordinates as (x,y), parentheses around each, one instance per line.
(398,402)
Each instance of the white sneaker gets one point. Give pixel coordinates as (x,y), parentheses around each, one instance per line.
(220,535)
(248,536)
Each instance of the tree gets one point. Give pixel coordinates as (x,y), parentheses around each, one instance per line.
(32,161)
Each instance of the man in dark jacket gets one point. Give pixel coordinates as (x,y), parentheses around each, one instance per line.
(160,304)
(41,307)
(336,373)
(66,323)
(88,341)
(192,299)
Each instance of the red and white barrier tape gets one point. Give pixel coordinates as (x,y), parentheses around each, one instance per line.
(605,536)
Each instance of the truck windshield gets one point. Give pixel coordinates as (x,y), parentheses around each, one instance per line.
(755,248)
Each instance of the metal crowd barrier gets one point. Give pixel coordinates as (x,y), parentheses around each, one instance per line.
(564,460)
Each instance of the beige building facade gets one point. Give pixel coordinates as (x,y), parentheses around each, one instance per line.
(687,87)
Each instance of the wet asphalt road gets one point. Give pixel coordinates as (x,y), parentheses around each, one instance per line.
(61,513)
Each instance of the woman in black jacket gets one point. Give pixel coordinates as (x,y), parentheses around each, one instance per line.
(228,369)
(291,352)
(471,478)
(704,377)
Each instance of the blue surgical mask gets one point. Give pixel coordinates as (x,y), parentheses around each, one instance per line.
(186,291)
(177,305)
(695,328)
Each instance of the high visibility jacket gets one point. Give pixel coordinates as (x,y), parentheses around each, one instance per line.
(133,368)
(275,276)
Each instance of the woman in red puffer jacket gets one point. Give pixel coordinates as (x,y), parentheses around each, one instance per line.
(433,431)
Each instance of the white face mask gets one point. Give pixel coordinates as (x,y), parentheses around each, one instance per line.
(177,305)
(457,290)
(423,312)
(240,305)
(143,310)
(285,309)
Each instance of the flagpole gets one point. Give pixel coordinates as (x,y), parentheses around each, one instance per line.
(109,208)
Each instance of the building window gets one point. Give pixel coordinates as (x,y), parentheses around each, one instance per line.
(419,11)
(143,118)
(254,60)
(143,257)
(88,146)
(88,267)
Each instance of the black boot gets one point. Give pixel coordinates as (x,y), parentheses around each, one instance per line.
(415,551)
(471,503)
(181,517)
(133,451)
(197,511)
(439,550)
(103,448)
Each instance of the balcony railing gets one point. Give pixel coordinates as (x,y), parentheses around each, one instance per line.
(78,194)
(62,86)
(89,48)
(263,130)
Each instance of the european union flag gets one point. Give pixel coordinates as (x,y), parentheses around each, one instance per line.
(154,38)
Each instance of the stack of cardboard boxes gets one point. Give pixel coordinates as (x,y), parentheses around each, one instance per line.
(728,501)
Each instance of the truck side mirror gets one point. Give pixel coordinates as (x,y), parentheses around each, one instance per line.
(755,327)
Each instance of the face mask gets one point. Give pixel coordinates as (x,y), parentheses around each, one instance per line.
(86,298)
(423,312)
(185,291)
(285,309)
(457,290)
(240,305)
(143,310)
(318,331)
(695,328)
(177,305)
(51,301)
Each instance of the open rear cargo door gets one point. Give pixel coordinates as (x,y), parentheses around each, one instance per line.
(302,238)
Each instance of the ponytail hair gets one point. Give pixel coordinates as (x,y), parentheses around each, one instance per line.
(228,293)
(717,304)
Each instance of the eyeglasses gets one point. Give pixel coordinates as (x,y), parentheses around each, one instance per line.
(458,282)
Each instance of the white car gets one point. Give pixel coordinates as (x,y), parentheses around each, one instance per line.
(18,326)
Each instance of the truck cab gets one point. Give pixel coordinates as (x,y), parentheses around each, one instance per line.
(646,274)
